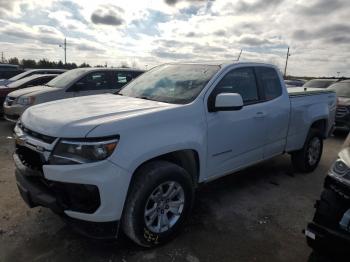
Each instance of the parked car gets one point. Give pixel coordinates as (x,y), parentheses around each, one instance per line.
(26,82)
(31,72)
(73,83)
(342,117)
(8,70)
(132,160)
(294,83)
(319,83)
(329,232)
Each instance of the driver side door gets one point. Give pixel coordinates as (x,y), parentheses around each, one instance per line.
(236,138)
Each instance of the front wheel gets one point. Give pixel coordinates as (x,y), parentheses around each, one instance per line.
(158,203)
(307,159)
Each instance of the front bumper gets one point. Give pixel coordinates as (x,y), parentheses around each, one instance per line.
(37,193)
(329,232)
(329,241)
(39,188)
(343,122)
(13,113)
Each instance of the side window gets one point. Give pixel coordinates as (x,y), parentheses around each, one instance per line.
(241,81)
(119,79)
(93,81)
(38,82)
(269,80)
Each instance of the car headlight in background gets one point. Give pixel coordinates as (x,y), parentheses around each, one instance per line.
(26,101)
(69,152)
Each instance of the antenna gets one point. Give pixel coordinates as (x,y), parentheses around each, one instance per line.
(239,56)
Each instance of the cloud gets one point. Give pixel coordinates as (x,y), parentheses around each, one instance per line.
(108,15)
(321,7)
(174,2)
(252,40)
(243,6)
(335,34)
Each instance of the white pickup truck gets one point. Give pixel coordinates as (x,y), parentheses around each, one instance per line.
(132,160)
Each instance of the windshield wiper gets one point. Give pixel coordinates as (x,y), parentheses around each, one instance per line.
(144,98)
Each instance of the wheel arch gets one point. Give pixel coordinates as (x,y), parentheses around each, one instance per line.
(321,125)
(185,158)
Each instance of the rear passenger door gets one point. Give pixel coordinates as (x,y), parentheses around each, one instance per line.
(277,109)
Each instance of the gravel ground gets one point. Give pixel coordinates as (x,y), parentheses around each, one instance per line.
(255,215)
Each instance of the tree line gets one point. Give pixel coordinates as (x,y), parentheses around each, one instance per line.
(45,63)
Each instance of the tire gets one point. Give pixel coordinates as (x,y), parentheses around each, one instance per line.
(305,161)
(144,195)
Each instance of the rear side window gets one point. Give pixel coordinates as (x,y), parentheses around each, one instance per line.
(40,81)
(93,81)
(270,82)
(241,81)
(119,79)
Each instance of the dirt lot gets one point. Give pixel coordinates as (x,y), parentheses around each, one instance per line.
(256,215)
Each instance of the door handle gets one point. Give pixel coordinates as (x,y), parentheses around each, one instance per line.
(260,115)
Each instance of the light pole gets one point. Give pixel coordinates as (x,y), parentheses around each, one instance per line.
(64,46)
(285,68)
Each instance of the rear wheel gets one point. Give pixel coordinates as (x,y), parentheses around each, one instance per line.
(158,203)
(307,159)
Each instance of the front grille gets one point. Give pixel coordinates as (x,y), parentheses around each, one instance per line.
(341,111)
(10,100)
(30,158)
(44,138)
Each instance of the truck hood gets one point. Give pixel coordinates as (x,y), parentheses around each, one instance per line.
(75,117)
(35,90)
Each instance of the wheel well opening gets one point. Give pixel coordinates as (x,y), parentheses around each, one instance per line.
(320,125)
(187,159)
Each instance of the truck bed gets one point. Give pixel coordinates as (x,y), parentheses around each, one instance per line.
(309,106)
(301,91)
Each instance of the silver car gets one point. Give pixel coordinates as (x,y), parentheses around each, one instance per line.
(73,83)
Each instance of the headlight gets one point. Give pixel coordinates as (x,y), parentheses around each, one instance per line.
(26,101)
(69,152)
(340,169)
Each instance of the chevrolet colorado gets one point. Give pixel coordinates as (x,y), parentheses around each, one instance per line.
(132,160)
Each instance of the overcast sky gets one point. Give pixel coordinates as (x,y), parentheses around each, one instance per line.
(155,31)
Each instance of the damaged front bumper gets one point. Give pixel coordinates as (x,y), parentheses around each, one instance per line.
(57,196)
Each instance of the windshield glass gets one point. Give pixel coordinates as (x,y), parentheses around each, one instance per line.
(22,81)
(21,75)
(66,78)
(342,89)
(176,84)
(319,83)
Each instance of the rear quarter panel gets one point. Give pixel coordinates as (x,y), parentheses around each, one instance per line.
(306,110)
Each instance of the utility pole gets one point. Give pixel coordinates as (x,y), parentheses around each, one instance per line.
(2,57)
(239,56)
(285,68)
(64,46)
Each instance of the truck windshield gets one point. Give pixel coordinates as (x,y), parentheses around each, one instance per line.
(176,84)
(342,89)
(66,78)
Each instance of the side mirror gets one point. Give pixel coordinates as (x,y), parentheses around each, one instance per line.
(228,102)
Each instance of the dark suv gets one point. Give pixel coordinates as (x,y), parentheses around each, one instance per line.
(342,118)
(329,232)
